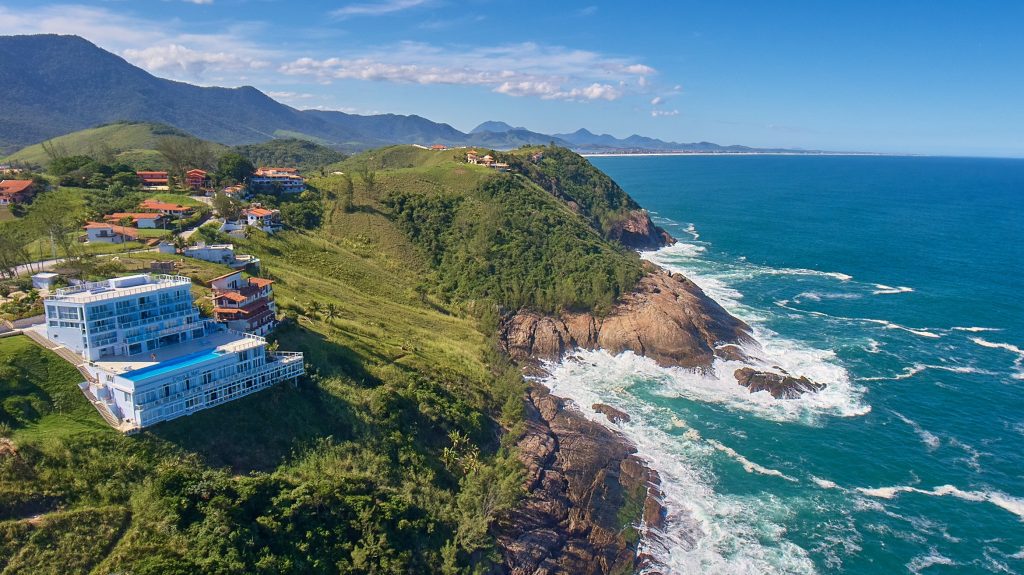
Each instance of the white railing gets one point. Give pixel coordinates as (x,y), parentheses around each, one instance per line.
(107,291)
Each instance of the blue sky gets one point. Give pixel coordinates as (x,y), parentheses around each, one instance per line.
(938,77)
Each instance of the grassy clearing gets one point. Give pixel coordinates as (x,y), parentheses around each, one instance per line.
(5,214)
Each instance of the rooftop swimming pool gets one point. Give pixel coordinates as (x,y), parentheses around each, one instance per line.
(170,365)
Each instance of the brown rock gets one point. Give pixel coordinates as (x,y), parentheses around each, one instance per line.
(570,520)
(667,318)
(613,415)
(637,231)
(780,385)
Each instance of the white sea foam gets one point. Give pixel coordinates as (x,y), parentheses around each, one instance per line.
(824,483)
(692,230)
(921,562)
(818,296)
(1012,504)
(1018,362)
(882,289)
(975,329)
(917,368)
(748,465)
(874,346)
(704,532)
(931,441)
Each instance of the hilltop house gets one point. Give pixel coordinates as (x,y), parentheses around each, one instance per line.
(287,180)
(15,191)
(196,179)
(139,220)
(153,180)
(165,208)
(109,233)
(244,304)
(151,357)
(218,254)
(262,218)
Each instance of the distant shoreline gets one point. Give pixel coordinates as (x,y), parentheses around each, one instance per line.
(626,154)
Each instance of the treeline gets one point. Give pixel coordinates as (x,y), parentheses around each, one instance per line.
(290,152)
(513,244)
(571,178)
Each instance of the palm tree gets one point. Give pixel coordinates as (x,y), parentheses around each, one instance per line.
(314,308)
(331,311)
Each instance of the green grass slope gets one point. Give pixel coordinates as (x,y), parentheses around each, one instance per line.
(133,143)
(388,458)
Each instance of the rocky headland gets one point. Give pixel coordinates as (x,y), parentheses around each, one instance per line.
(586,487)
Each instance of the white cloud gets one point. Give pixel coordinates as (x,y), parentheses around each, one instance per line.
(526,69)
(172,58)
(657,101)
(168,47)
(663,113)
(377,8)
(199,1)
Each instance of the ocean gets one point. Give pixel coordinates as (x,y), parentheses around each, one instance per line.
(899,282)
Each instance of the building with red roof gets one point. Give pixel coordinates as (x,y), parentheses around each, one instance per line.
(244,304)
(153,179)
(196,179)
(166,208)
(287,180)
(139,220)
(15,191)
(109,233)
(262,218)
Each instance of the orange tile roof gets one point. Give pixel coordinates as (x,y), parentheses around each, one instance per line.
(228,310)
(260,282)
(196,171)
(229,274)
(231,295)
(14,186)
(259,212)
(129,232)
(132,215)
(152,204)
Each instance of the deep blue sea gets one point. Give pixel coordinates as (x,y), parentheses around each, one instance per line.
(899,281)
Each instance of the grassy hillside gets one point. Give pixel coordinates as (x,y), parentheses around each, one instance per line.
(292,152)
(388,458)
(132,143)
(499,237)
(345,473)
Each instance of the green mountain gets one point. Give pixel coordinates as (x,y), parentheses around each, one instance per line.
(133,143)
(397,454)
(291,152)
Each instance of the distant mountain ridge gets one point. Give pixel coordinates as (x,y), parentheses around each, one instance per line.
(52,85)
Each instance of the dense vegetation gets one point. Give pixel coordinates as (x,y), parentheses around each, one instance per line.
(571,178)
(302,154)
(394,455)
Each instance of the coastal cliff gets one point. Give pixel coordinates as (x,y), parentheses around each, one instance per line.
(667,318)
(585,488)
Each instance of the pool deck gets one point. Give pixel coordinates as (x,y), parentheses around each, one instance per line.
(226,341)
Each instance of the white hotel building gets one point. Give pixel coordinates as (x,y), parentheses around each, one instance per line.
(151,356)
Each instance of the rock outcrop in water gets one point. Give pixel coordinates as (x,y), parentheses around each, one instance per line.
(585,487)
(639,232)
(667,318)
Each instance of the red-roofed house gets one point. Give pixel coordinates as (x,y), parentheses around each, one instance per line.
(244,304)
(287,180)
(150,221)
(153,179)
(196,179)
(15,191)
(165,208)
(262,218)
(109,233)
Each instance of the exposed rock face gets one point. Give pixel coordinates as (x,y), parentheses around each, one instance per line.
(583,484)
(613,415)
(667,318)
(780,385)
(639,232)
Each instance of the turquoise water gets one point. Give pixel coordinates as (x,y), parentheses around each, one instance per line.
(164,367)
(895,280)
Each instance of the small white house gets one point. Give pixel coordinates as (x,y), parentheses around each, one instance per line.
(44,280)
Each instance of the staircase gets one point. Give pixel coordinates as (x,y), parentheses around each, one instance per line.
(80,364)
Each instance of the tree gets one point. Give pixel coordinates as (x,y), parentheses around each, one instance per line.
(346,194)
(125,221)
(14,236)
(184,153)
(302,214)
(314,308)
(233,168)
(331,311)
(228,207)
(53,218)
